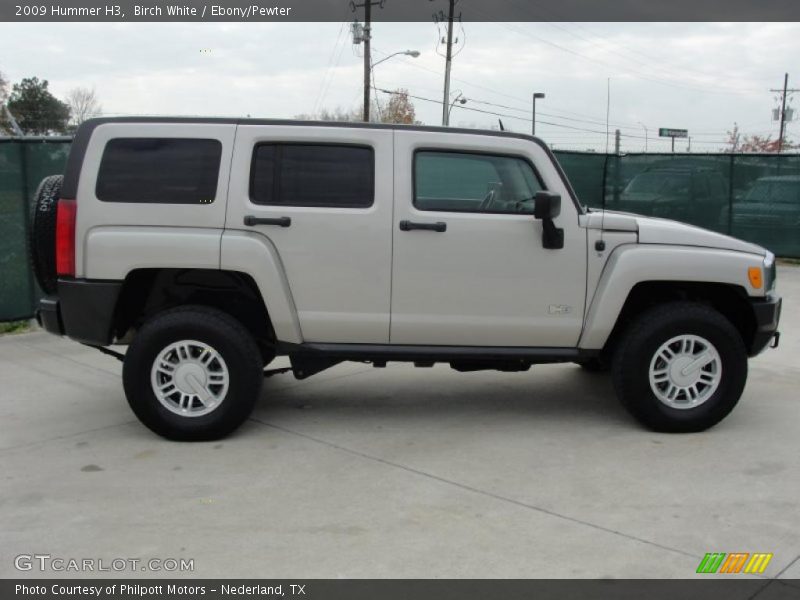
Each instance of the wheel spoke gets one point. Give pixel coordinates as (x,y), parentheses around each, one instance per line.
(706,377)
(698,363)
(207,356)
(218,378)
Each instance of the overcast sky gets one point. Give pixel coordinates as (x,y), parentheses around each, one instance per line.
(698,76)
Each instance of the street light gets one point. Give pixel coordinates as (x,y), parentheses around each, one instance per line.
(411,53)
(536,96)
(645,134)
(460,99)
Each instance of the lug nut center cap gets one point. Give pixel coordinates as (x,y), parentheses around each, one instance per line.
(676,372)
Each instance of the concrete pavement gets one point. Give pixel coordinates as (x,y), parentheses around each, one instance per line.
(399,472)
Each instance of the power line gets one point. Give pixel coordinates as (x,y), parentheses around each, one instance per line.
(322,87)
(683,71)
(634,73)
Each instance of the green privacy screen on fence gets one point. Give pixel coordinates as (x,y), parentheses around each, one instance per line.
(23,163)
(753,197)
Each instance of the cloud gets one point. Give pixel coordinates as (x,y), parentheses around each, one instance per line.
(701,76)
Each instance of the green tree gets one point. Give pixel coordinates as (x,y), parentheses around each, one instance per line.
(36,110)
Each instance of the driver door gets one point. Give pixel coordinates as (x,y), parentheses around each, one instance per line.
(469,268)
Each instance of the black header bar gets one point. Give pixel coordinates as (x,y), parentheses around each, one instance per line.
(255,11)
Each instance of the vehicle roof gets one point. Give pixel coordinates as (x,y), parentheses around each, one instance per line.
(92,123)
(679,168)
(72,171)
(795,178)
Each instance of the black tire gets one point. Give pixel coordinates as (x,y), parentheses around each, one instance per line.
(631,366)
(595,365)
(42,237)
(220,332)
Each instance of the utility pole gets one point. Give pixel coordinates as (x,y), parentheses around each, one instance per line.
(367,57)
(448,61)
(783,94)
(539,95)
(617,140)
(366,37)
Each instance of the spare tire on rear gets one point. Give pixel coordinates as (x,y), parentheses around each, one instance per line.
(42,237)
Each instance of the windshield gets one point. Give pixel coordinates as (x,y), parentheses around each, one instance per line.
(659,183)
(775,191)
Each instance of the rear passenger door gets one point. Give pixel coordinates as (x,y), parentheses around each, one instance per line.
(322,197)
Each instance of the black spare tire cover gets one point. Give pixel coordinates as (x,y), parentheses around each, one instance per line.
(42,241)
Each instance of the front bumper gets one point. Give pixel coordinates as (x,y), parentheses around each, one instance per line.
(767,312)
(83,310)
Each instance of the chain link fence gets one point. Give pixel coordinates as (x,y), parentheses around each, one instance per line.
(753,197)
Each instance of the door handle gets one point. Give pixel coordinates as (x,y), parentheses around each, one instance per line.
(250,220)
(439,226)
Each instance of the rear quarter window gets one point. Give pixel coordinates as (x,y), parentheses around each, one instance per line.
(315,175)
(159,171)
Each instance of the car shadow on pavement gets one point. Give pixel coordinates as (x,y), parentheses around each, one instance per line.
(562,393)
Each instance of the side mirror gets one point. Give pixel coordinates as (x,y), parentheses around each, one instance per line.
(547,205)
(546,208)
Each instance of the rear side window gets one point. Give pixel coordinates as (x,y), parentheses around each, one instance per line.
(324,175)
(159,171)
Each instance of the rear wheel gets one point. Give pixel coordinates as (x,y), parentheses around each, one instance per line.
(192,373)
(680,367)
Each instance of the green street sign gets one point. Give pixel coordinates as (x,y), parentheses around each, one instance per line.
(673,133)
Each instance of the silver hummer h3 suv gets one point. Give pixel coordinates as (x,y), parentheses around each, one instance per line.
(210,246)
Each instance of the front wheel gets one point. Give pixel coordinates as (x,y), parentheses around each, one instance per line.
(681,367)
(192,373)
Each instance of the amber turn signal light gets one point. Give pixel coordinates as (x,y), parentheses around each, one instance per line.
(755,276)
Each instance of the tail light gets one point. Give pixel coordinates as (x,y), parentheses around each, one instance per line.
(66,211)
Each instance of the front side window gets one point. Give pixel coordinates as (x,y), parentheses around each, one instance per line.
(159,170)
(466,182)
(324,175)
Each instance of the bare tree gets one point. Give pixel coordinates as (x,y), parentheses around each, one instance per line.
(755,143)
(5,126)
(83,105)
(337,114)
(3,88)
(400,109)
